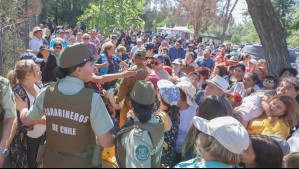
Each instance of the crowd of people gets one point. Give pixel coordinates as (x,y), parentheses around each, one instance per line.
(145,101)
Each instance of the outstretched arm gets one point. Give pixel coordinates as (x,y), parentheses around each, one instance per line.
(111,77)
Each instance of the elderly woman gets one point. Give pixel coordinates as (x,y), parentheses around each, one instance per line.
(219,143)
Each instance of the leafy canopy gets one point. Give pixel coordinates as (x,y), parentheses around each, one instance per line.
(108,14)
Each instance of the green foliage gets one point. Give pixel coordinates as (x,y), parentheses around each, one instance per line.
(293,40)
(284,10)
(244,33)
(63,12)
(107,14)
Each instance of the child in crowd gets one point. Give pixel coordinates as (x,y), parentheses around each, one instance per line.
(204,74)
(194,79)
(270,83)
(284,113)
(292,160)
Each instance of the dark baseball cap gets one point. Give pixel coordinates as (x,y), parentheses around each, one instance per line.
(44,47)
(149,46)
(179,42)
(31,56)
(160,57)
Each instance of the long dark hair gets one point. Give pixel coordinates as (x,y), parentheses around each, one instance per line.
(268,153)
(211,107)
(63,72)
(143,112)
(172,111)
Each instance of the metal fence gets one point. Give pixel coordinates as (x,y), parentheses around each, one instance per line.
(14,40)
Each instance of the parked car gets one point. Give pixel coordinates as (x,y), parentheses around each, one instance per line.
(257,52)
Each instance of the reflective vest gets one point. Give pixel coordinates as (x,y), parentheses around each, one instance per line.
(70,137)
(156,133)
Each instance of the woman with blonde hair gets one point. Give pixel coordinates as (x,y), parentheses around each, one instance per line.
(188,63)
(24,147)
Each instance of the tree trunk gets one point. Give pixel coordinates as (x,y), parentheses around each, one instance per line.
(196,28)
(227,19)
(1,54)
(271,34)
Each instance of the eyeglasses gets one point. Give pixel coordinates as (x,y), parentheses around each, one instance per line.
(156,63)
(58,47)
(269,81)
(86,38)
(147,58)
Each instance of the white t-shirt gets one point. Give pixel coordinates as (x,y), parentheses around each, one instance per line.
(251,107)
(163,74)
(38,129)
(186,117)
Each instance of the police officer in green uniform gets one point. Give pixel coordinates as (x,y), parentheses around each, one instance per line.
(76,117)
(140,142)
(8,120)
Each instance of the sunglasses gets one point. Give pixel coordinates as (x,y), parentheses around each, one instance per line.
(269,81)
(86,38)
(156,63)
(149,58)
(58,47)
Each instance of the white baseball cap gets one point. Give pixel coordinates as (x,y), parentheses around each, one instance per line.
(228,131)
(220,82)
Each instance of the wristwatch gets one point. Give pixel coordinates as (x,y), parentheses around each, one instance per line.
(4,151)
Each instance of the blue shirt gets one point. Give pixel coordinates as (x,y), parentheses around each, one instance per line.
(202,62)
(194,163)
(175,53)
(53,41)
(199,52)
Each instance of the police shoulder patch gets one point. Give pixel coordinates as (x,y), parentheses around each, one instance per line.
(142,153)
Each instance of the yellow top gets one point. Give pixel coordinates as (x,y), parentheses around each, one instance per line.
(264,127)
(166,120)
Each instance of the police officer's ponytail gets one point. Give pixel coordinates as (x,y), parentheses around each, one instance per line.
(63,72)
(143,112)
(60,73)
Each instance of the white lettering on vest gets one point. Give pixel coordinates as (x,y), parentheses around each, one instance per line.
(66,114)
(85,119)
(56,112)
(81,118)
(67,130)
(72,116)
(55,127)
(60,112)
(76,118)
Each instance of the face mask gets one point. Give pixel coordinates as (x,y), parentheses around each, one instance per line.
(176,71)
